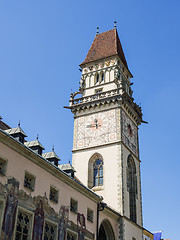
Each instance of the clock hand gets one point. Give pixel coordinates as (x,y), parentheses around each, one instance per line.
(96,123)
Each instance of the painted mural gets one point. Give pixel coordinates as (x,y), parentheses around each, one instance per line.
(81,226)
(11,195)
(38,222)
(63,222)
(18,205)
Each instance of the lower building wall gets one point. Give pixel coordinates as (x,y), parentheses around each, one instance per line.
(132,231)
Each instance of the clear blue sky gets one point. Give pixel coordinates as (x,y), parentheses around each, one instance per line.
(42,42)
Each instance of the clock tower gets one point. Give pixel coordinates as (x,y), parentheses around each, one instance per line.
(106,120)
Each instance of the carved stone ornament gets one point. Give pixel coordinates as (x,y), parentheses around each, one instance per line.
(107,63)
(91,68)
(96,66)
(113,62)
(101,65)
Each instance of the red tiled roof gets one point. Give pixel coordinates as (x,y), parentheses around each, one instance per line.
(105,44)
(4,126)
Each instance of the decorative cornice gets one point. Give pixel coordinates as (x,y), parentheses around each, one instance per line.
(112,96)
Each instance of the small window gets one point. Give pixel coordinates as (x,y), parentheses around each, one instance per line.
(99,90)
(3,164)
(50,230)
(98,172)
(73,206)
(29,181)
(53,194)
(90,215)
(23,226)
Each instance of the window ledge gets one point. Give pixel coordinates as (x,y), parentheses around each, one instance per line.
(97,188)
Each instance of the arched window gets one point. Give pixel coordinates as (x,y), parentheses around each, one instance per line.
(95,171)
(98,173)
(132,186)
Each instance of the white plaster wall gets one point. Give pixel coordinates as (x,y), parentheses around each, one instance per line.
(109,154)
(131,230)
(105,87)
(126,193)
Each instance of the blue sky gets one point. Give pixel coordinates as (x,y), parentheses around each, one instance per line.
(41,45)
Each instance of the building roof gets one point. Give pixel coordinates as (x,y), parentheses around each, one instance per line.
(67,166)
(105,44)
(49,155)
(12,131)
(33,144)
(3,125)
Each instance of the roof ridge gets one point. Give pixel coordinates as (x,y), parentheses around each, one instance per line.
(116,41)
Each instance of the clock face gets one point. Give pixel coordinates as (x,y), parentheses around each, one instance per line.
(129,133)
(96,129)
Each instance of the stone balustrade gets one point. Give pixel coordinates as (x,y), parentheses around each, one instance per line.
(97,96)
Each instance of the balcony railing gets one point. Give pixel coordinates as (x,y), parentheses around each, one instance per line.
(93,97)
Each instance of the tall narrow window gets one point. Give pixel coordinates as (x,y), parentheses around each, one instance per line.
(132,187)
(98,172)
(49,231)
(102,77)
(97,79)
(23,226)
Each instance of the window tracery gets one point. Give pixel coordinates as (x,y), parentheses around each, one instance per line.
(95,171)
(49,231)
(23,226)
(98,172)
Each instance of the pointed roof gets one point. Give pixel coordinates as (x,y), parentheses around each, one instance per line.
(105,44)
(33,144)
(12,131)
(50,155)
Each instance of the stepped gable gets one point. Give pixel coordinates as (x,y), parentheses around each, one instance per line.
(105,44)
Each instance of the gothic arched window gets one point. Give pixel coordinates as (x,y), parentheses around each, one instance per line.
(132,187)
(98,173)
(95,171)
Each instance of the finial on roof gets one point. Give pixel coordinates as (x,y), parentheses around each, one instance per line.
(19,124)
(97,30)
(37,136)
(69,161)
(53,148)
(115,24)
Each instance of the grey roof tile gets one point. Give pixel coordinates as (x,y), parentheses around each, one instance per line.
(50,155)
(33,144)
(12,131)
